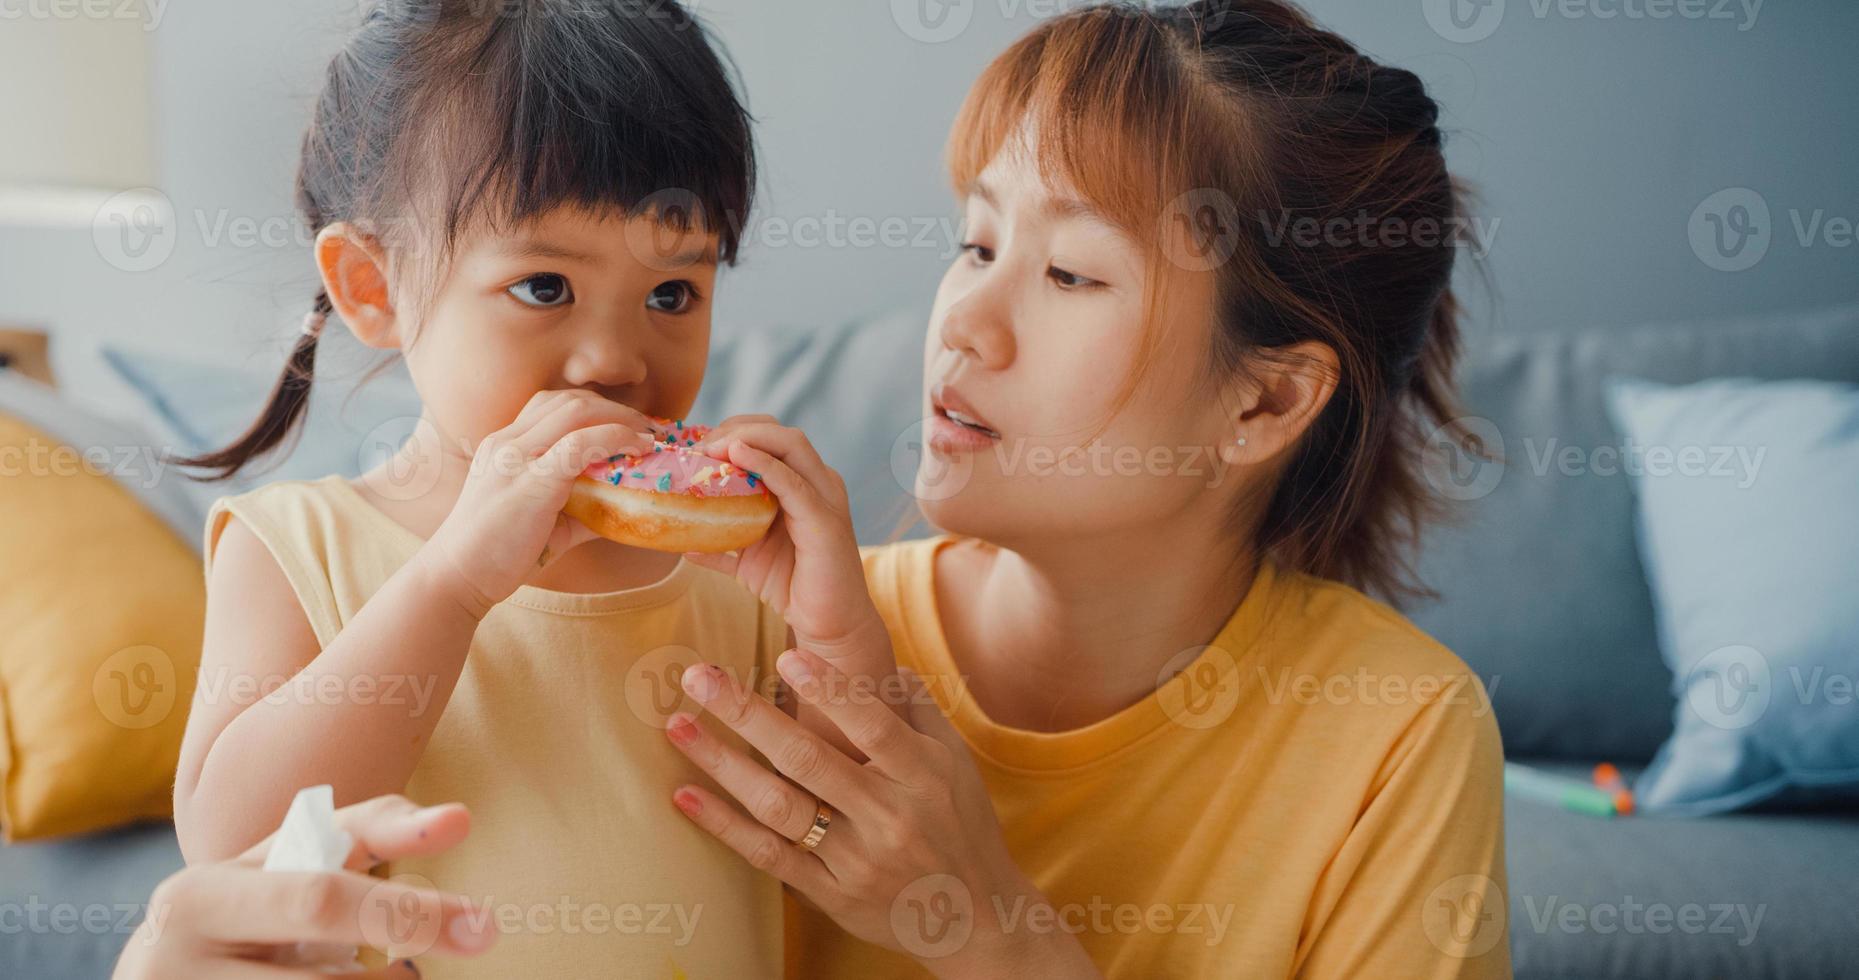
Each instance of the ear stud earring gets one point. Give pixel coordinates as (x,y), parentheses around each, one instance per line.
(1240,441)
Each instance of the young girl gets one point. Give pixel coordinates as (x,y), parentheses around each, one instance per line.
(528,201)
(1180,386)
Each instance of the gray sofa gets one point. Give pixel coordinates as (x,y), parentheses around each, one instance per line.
(1542,593)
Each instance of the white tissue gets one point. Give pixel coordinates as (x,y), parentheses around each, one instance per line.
(309,840)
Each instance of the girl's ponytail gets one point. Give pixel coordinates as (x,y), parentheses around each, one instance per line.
(283,411)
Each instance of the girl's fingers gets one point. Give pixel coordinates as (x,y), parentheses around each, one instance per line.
(794,751)
(580,411)
(761,847)
(777,803)
(231,904)
(583,447)
(860,711)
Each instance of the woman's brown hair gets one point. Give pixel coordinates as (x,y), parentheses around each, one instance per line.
(1240,138)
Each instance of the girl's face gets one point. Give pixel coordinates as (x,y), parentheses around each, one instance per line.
(618,306)
(1036,331)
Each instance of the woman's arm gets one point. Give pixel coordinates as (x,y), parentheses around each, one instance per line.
(913,831)
(356,715)
(1417,887)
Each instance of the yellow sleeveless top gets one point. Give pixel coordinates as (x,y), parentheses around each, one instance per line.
(555,738)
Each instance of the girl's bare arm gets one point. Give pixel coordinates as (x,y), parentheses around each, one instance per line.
(356,715)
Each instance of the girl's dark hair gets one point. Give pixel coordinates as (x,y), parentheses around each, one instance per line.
(441,113)
(1310,181)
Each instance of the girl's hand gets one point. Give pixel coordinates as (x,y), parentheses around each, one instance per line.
(233,918)
(913,858)
(508,519)
(806,568)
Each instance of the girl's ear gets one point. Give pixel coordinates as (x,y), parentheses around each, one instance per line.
(1284,393)
(354,269)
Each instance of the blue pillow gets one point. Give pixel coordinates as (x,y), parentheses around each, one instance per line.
(195,405)
(1748,506)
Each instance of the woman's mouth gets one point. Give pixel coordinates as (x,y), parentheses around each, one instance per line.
(955,426)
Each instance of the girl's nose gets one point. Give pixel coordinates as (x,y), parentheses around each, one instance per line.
(979,324)
(605,362)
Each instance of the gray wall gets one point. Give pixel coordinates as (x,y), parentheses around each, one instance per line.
(1593,141)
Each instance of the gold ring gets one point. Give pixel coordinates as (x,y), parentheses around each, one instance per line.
(816,833)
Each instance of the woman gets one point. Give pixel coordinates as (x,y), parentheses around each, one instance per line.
(1178,385)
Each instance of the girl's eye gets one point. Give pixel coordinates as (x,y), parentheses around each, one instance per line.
(1069,280)
(672,297)
(982,253)
(544,290)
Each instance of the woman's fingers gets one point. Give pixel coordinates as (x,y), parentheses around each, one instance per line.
(232,904)
(397,828)
(780,805)
(788,444)
(794,751)
(799,499)
(387,828)
(762,848)
(861,710)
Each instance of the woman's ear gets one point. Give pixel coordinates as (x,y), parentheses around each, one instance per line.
(1284,392)
(354,269)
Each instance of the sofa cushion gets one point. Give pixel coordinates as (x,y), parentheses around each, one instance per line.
(1751,896)
(1543,593)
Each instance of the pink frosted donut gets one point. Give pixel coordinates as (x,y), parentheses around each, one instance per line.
(673,498)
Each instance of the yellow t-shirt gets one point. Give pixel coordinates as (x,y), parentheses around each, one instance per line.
(554,736)
(1319,793)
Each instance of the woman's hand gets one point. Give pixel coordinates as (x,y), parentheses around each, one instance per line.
(231,919)
(913,858)
(508,519)
(806,568)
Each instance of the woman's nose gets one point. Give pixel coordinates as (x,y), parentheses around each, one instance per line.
(979,324)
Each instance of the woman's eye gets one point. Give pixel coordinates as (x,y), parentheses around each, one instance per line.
(1069,280)
(982,253)
(672,297)
(547,289)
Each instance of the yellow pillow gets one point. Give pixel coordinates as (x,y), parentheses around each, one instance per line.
(101,611)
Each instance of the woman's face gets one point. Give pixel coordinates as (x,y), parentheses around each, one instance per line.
(1036,330)
(618,306)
